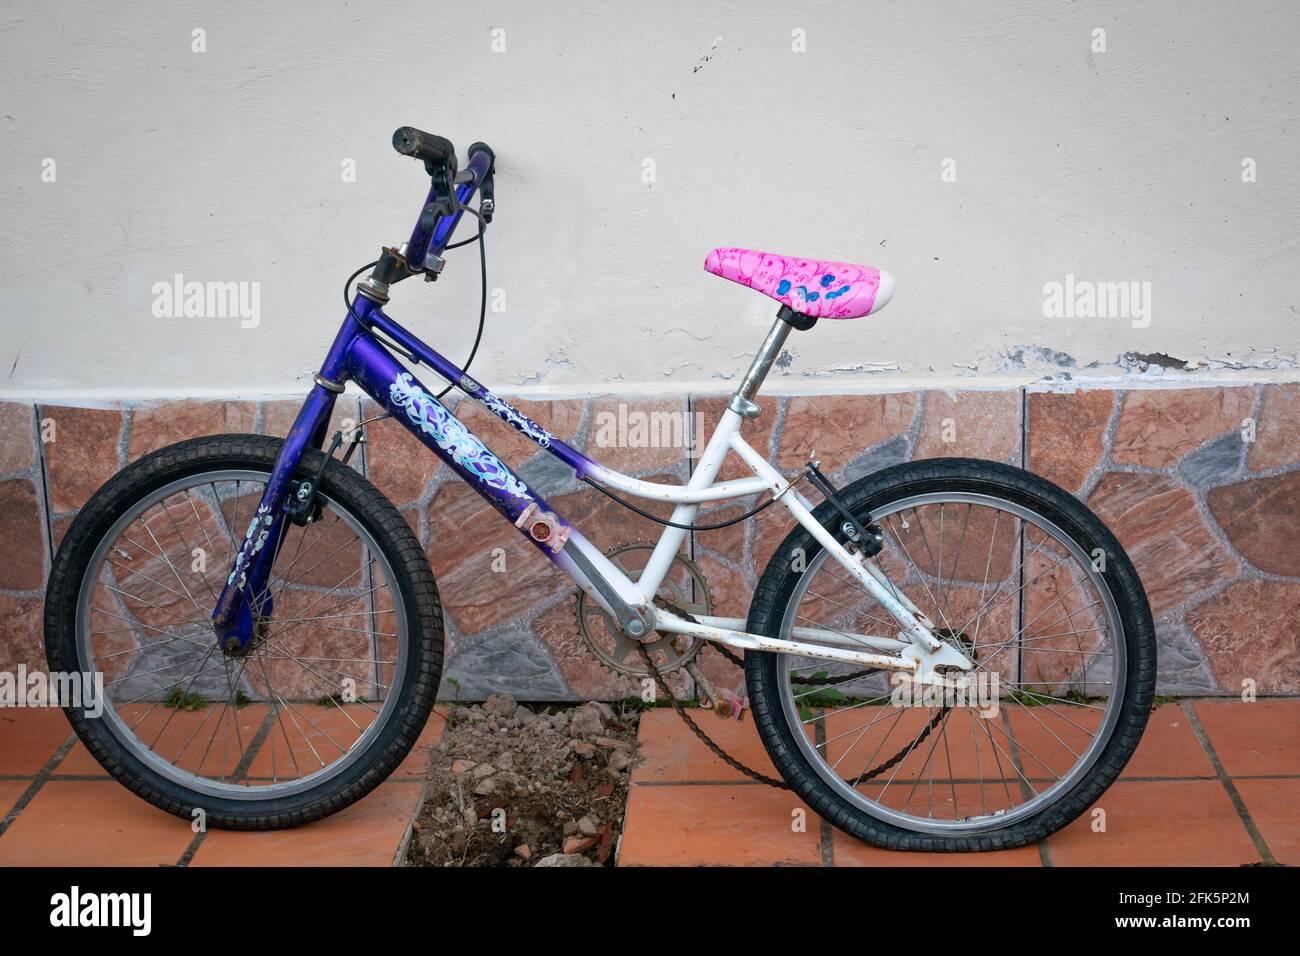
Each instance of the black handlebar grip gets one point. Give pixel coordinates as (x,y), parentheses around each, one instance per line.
(492,157)
(410,141)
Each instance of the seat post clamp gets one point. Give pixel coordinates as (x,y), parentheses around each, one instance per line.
(796,320)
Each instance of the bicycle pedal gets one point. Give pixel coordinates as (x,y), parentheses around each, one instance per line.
(728,705)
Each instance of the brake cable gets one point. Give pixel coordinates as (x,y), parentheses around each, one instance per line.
(482,308)
(482,304)
(695,527)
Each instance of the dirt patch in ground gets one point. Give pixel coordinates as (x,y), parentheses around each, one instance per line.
(514,786)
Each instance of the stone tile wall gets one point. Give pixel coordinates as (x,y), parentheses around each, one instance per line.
(1202,486)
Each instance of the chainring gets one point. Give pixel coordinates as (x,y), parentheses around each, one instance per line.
(684,586)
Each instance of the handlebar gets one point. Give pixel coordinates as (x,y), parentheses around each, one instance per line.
(434,150)
(449,191)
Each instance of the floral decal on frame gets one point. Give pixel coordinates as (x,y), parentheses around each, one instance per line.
(453,437)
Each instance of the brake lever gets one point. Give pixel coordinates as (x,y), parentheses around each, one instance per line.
(487,198)
(446,204)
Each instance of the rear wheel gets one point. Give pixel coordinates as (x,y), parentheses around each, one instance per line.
(1027,583)
(337,684)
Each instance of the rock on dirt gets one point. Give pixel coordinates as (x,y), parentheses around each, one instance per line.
(510,785)
(589,720)
(565,859)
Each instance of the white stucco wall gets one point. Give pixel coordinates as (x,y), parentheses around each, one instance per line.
(226,165)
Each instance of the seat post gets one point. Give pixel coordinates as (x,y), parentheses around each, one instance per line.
(742,402)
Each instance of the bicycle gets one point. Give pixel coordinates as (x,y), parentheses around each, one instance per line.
(884,606)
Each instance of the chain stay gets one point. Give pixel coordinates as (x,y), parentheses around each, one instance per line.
(735,764)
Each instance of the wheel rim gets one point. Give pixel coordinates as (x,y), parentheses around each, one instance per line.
(283,718)
(1040,744)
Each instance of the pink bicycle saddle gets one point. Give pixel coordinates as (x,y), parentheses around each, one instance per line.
(825,290)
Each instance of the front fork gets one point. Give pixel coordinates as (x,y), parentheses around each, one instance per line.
(245,600)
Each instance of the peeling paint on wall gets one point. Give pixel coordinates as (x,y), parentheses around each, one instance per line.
(748,148)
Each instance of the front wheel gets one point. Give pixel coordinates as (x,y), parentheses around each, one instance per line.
(1030,586)
(336,685)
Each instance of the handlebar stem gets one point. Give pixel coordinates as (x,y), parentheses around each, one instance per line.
(433,240)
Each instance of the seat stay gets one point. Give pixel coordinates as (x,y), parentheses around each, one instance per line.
(916,630)
(914,650)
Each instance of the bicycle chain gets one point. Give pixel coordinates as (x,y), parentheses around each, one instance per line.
(731,761)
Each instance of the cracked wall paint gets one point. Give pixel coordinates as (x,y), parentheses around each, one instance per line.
(588,255)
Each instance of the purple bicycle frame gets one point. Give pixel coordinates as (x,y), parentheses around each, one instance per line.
(358,355)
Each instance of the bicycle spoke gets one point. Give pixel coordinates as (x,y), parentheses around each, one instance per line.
(317,642)
(920,764)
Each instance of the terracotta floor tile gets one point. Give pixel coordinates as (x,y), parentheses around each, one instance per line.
(315,721)
(92,823)
(943,799)
(719,825)
(1163,823)
(965,746)
(29,737)
(179,733)
(1169,748)
(10,791)
(670,752)
(305,735)
(417,761)
(1049,738)
(79,763)
(1273,804)
(852,852)
(967,764)
(328,729)
(1258,738)
(365,834)
(1057,735)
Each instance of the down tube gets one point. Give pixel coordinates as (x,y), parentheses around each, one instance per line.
(406,398)
(388,383)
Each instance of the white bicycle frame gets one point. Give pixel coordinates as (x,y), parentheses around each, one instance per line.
(914,650)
